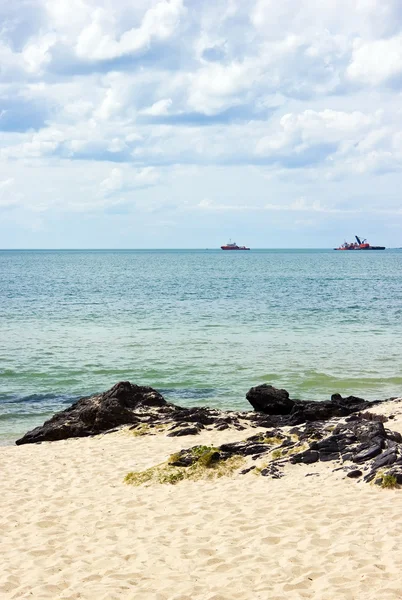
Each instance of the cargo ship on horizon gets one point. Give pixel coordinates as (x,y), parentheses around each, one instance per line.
(233,246)
(359,245)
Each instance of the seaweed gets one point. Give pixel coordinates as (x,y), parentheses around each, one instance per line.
(207,463)
(389,482)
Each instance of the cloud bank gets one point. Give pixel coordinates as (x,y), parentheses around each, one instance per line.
(179,123)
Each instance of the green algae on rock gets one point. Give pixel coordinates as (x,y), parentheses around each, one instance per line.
(199,462)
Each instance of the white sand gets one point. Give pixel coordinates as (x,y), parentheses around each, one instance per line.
(70,528)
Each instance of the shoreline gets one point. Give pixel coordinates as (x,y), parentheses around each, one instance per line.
(13,436)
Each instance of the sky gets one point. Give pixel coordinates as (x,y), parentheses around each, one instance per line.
(183,123)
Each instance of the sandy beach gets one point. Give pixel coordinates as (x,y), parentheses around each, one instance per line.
(72,529)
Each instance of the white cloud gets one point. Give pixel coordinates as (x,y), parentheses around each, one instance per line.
(147,176)
(327,125)
(122,180)
(161,107)
(113,182)
(98,40)
(111,105)
(40,144)
(36,53)
(339,136)
(68,15)
(370,18)
(215,87)
(376,62)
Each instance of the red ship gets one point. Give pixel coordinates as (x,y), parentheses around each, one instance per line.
(233,246)
(359,245)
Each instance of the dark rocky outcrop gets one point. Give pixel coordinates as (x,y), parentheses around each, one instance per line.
(358,440)
(118,406)
(362,442)
(129,404)
(181,430)
(269,400)
(285,411)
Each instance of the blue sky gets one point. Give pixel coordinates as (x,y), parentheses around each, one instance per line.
(183,123)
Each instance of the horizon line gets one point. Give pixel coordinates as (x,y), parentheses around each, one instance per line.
(166,248)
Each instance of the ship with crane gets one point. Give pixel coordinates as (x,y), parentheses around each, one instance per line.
(359,244)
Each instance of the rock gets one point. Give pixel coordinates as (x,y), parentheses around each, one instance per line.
(370,452)
(369,477)
(285,411)
(347,456)
(310,411)
(178,432)
(332,456)
(361,440)
(385,459)
(352,402)
(337,407)
(345,441)
(369,431)
(189,456)
(245,448)
(310,432)
(273,471)
(373,417)
(352,418)
(182,460)
(221,424)
(269,400)
(354,474)
(361,430)
(202,415)
(327,446)
(96,414)
(245,471)
(261,420)
(307,457)
(397,473)
(394,435)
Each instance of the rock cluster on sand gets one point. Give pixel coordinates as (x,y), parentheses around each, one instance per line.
(358,441)
(361,445)
(121,405)
(271,401)
(128,404)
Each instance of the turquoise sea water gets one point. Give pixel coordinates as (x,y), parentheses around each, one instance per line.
(201,326)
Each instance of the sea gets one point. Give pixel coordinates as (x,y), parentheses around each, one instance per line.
(200,326)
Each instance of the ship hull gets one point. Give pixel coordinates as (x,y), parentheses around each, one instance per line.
(228,248)
(370,248)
